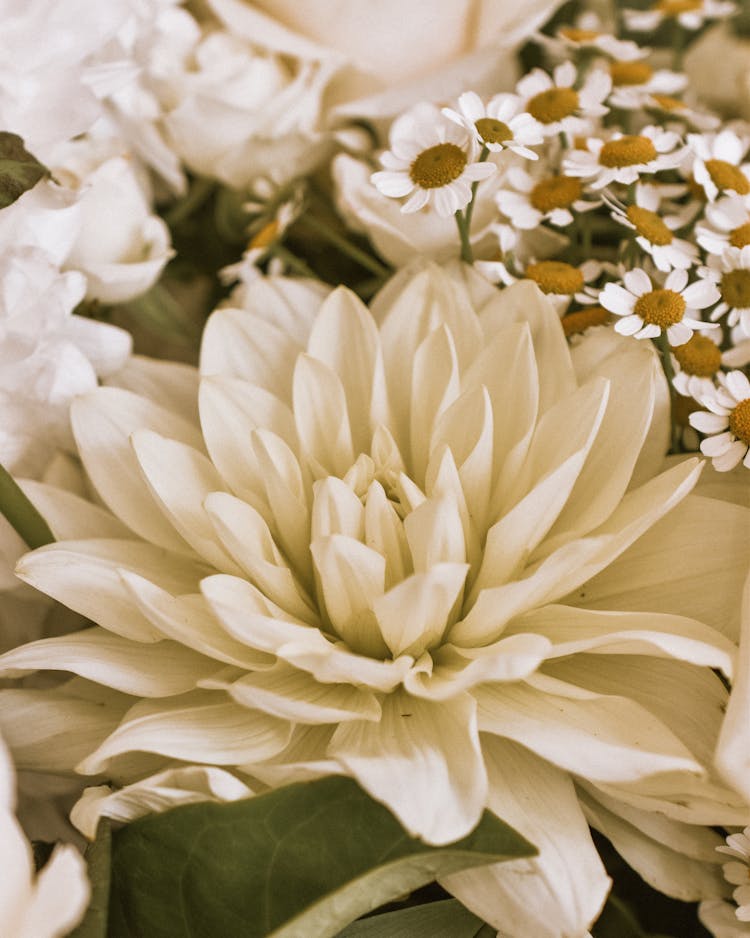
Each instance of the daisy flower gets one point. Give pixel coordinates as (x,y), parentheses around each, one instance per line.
(432,164)
(634,82)
(587,35)
(555,103)
(560,281)
(728,225)
(649,309)
(502,124)
(731,272)
(690,14)
(696,365)
(727,420)
(654,233)
(624,157)
(717,165)
(534,199)
(669,108)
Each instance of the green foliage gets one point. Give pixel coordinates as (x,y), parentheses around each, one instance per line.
(19,169)
(98,859)
(447,919)
(21,514)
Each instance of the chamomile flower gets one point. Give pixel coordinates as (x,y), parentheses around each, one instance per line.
(654,232)
(696,365)
(648,309)
(731,273)
(728,424)
(728,225)
(587,35)
(737,871)
(718,163)
(634,82)
(557,105)
(534,199)
(432,163)
(624,157)
(269,230)
(502,124)
(690,14)
(667,107)
(560,281)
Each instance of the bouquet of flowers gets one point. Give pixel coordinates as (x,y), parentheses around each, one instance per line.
(375,469)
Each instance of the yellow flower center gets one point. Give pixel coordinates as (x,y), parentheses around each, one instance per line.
(555,277)
(740,237)
(627,151)
(735,288)
(438,166)
(675,7)
(630,73)
(661,308)
(699,356)
(553,105)
(578,35)
(579,321)
(266,236)
(726,176)
(649,225)
(739,421)
(555,192)
(666,103)
(493,131)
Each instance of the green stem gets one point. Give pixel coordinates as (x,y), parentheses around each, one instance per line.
(467,254)
(198,193)
(346,247)
(21,514)
(679,42)
(474,186)
(662,343)
(291,260)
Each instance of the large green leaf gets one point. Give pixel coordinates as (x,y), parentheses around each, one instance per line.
(98,860)
(301,861)
(446,919)
(19,170)
(22,515)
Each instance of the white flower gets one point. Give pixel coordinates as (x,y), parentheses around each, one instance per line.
(432,163)
(668,108)
(728,225)
(728,422)
(588,34)
(556,105)
(624,157)
(690,14)
(717,164)
(537,198)
(558,280)
(499,125)
(414,582)
(633,83)
(647,309)
(696,365)
(654,233)
(720,919)
(737,872)
(731,272)
(47,905)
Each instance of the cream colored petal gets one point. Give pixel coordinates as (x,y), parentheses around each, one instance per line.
(59,897)
(85,576)
(603,738)
(435,386)
(560,892)
(173,384)
(69,516)
(102,423)
(423,761)
(336,510)
(322,417)
(196,727)
(435,534)
(291,303)
(303,760)
(384,532)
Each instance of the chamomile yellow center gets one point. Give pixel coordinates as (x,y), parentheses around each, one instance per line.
(735,288)
(553,105)
(649,225)
(667,103)
(493,131)
(675,7)
(627,151)
(661,308)
(555,192)
(739,421)
(582,319)
(438,166)
(555,277)
(630,73)
(266,236)
(740,237)
(726,176)
(700,356)
(573,34)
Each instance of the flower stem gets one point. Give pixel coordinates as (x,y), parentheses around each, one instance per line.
(291,260)
(474,186)
(467,254)
(346,247)
(199,191)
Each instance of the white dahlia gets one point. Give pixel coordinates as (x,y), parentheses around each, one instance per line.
(422,546)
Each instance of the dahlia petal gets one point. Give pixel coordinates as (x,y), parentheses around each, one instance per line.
(69,516)
(322,416)
(435,385)
(336,510)
(434,533)
(555,894)
(599,737)
(733,748)
(58,897)
(423,761)
(384,532)
(302,760)
(172,383)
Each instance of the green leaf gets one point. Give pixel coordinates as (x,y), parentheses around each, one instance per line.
(98,859)
(22,515)
(617,921)
(19,170)
(302,861)
(446,919)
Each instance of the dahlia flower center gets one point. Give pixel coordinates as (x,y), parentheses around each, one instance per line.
(667,103)
(582,319)
(726,176)
(555,277)
(438,166)
(574,34)
(493,131)
(661,308)
(735,288)
(740,237)
(739,421)
(266,236)
(556,192)
(700,356)
(630,73)
(649,225)
(675,7)
(553,105)
(627,151)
